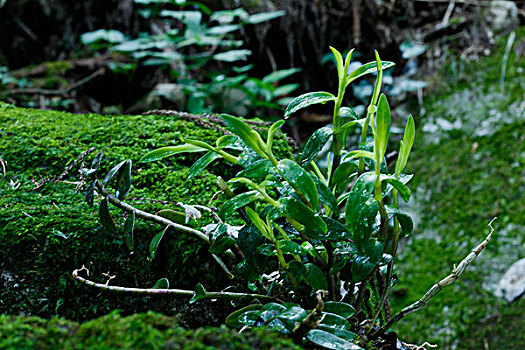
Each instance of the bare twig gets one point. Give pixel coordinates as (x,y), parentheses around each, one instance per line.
(184,292)
(151,217)
(436,288)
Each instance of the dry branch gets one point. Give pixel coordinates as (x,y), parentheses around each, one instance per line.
(436,288)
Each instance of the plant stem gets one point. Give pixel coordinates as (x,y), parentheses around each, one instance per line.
(185,292)
(336,122)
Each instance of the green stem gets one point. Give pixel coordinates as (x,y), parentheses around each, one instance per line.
(336,142)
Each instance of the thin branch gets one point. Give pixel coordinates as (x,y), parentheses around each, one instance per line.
(151,217)
(185,292)
(436,288)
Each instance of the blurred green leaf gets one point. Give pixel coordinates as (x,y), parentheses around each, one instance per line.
(265,16)
(280,75)
(232,55)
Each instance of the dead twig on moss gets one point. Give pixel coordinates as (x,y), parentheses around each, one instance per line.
(183,292)
(436,288)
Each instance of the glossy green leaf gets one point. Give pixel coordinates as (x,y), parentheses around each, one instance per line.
(162,283)
(251,138)
(201,164)
(342,309)
(334,321)
(383,126)
(290,247)
(237,202)
(112,172)
(344,174)
(336,231)
(367,69)
(407,225)
(124,180)
(227,141)
(259,223)
(105,218)
(235,320)
(295,209)
(257,170)
(406,145)
(296,268)
(200,293)
(172,215)
(339,62)
(306,100)
(359,154)
(90,193)
(341,333)
(271,132)
(129,226)
(315,144)
(315,277)
(164,152)
(398,184)
(293,315)
(280,75)
(349,113)
(300,179)
(330,341)
(221,244)
(325,195)
(352,123)
(361,209)
(154,245)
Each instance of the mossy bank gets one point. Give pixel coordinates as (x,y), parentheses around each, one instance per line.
(468,161)
(139,331)
(47,231)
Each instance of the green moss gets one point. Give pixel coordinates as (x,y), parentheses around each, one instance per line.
(140,331)
(46,233)
(467,173)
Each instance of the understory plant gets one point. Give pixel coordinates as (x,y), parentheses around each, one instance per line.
(200,53)
(312,248)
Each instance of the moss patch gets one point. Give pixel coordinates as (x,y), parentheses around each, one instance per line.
(46,233)
(468,163)
(140,331)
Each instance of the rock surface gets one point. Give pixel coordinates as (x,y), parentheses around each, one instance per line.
(512,284)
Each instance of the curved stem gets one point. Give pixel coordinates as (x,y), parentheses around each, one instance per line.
(184,292)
